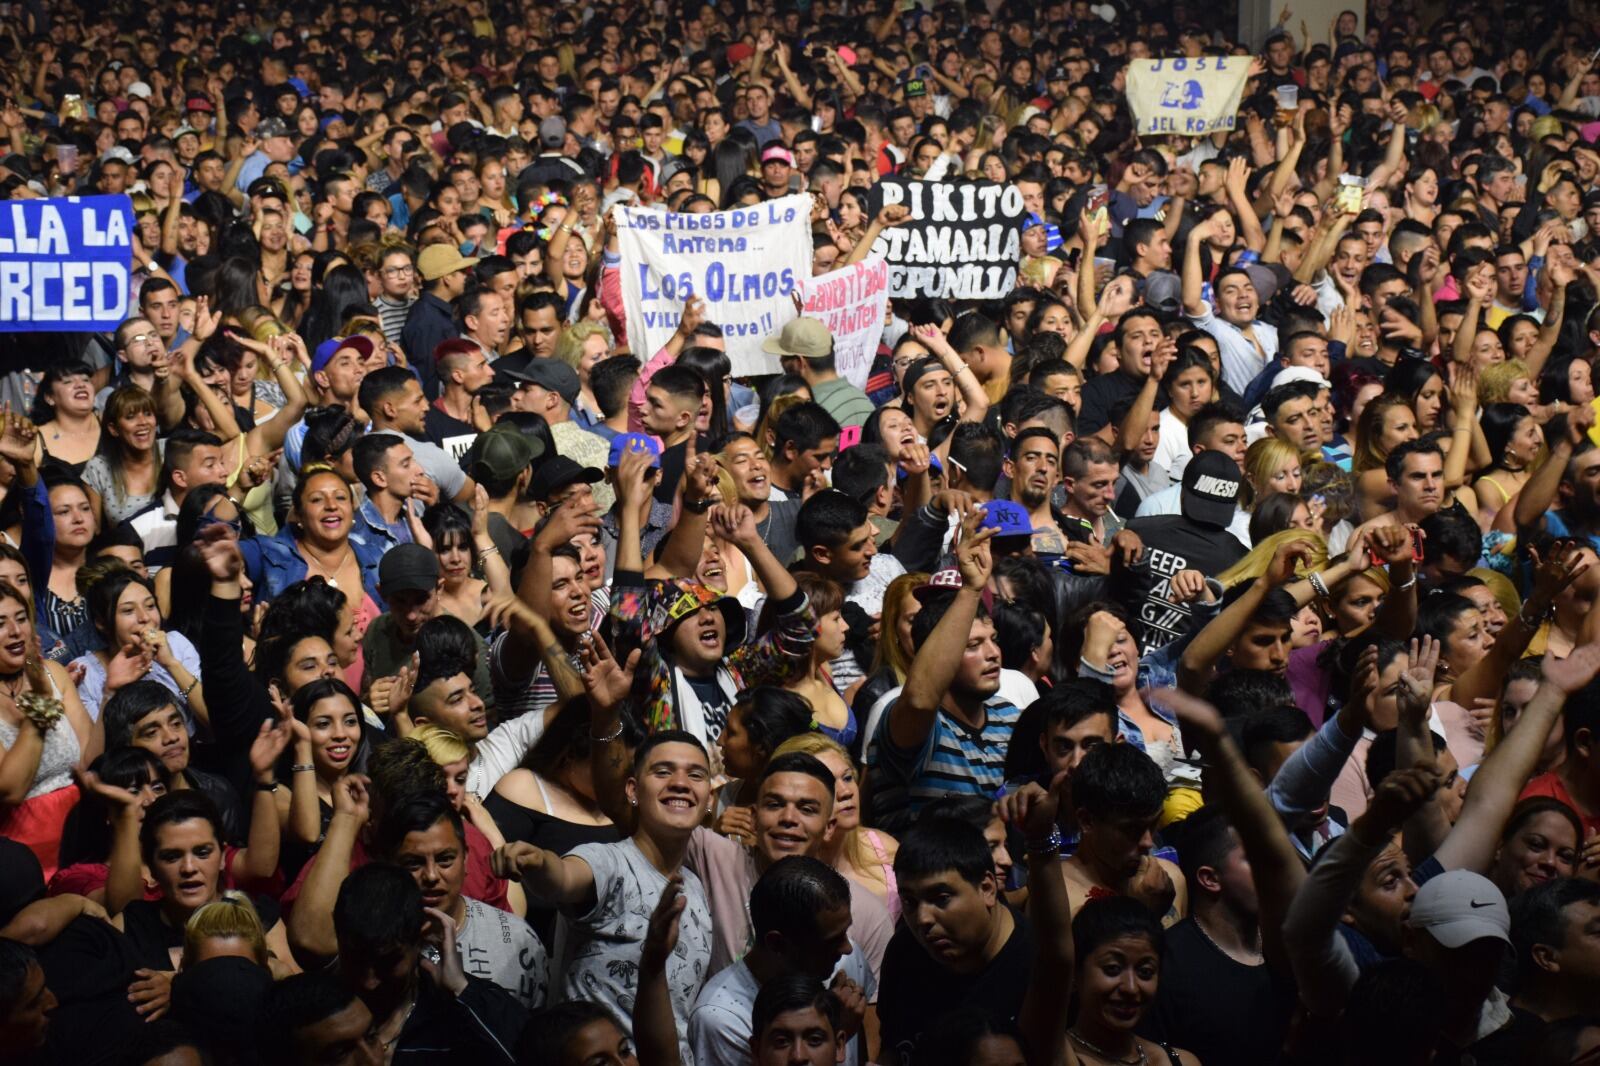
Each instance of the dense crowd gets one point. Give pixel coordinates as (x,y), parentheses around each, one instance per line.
(398,666)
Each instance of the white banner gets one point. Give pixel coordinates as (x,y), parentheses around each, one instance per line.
(851,302)
(1192,97)
(743,263)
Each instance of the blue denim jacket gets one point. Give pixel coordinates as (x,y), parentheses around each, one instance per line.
(274,563)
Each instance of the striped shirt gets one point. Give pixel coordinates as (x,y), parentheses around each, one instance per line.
(951,760)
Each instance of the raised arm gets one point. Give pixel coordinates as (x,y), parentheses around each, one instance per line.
(124,868)
(1045,1005)
(1473,840)
(975,402)
(1480,294)
(888,216)
(311,933)
(565,881)
(258,859)
(1274,864)
(1538,495)
(655,1029)
(1212,642)
(1115,299)
(936,662)
(1483,678)
(609,684)
(1324,968)
(1427,826)
(1249,221)
(1463,409)
(1193,274)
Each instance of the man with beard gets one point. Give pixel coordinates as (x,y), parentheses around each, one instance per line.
(454,420)
(1034,468)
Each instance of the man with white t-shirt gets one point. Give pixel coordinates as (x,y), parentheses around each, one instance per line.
(800,918)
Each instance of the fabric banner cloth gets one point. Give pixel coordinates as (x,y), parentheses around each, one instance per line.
(962,242)
(65,263)
(745,264)
(1192,97)
(851,301)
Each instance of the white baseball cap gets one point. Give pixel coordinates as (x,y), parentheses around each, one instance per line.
(1458,907)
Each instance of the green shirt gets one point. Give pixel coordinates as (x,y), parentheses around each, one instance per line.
(847,404)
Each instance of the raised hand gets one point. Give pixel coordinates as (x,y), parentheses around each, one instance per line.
(1415,694)
(973,556)
(219,550)
(661,935)
(1280,571)
(19,438)
(351,799)
(605,680)
(1400,795)
(1186,586)
(734,523)
(127,666)
(1197,718)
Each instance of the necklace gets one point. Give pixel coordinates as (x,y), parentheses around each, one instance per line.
(1137,1060)
(1213,942)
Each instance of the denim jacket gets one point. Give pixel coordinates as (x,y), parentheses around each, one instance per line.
(274,563)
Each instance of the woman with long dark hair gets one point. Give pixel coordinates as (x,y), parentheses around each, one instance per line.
(63,412)
(343,288)
(1515,446)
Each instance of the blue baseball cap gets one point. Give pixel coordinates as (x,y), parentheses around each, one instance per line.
(633,442)
(1007,519)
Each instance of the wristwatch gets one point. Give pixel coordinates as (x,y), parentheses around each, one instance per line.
(699,506)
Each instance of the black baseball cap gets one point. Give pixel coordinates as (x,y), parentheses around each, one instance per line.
(1210,489)
(408,568)
(556,473)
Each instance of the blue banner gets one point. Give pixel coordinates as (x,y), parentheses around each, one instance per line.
(65,263)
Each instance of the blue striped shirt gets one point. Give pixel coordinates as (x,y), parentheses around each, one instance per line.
(952,760)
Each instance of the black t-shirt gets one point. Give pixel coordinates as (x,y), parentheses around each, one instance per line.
(153,939)
(1171,543)
(448,432)
(88,968)
(1215,1006)
(1100,395)
(915,992)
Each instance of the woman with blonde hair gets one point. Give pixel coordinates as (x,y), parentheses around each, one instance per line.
(891,661)
(581,346)
(1271,465)
(227,926)
(864,855)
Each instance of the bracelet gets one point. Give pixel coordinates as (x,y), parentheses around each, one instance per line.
(1317,584)
(608,739)
(302,768)
(1044,848)
(266,786)
(192,683)
(43,711)
(1533,623)
(1409,584)
(484,553)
